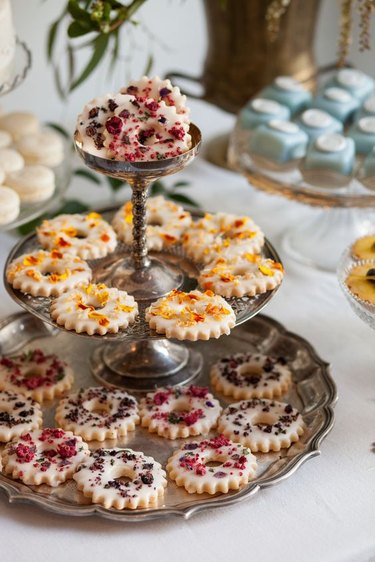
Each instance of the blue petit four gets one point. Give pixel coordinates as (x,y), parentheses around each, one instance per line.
(279,141)
(288,91)
(316,122)
(337,102)
(363,134)
(329,160)
(259,111)
(367,109)
(359,84)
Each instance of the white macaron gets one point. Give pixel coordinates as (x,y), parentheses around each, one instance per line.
(5,139)
(9,205)
(11,160)
(44,147)
(19,123)
(32,183)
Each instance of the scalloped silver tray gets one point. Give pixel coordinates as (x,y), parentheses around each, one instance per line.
(313,392)
(245,308)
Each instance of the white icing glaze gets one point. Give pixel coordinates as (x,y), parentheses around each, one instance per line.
(18,414)
(156,88)
(48,455)
(331,142)
(289,84)
(367,125)
(44,274)
(351,78)
(262,105)
(338,94)
(316,118)
(284,126)
(191,316)
(87,236)
(369,104)
(251,375)
(221,234)
(100,479)
(37,375)
(166,221)
(189,467)
(179,412)
(261,424)
(246,274)
(98,413)
(95,309)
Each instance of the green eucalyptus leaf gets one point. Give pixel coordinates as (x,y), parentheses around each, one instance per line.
(184,199)
(91,176)
(149,65)
(51,38)
(179,184)
(72,206)
(58,82)
(116,184)
(100,46)
(77,12)
(157,188)
(77,29)
(59,129)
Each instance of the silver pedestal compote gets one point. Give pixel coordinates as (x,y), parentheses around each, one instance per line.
(145,363)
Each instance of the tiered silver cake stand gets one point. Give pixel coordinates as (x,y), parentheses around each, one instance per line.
(139,359)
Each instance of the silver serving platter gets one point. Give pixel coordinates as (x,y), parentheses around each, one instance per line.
(313,392)
(245,308)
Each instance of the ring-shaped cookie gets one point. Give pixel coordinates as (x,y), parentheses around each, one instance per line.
(251,375)
(361,282)
(262,425)
(166,221)
(18,414)
(95,309)
(121,478)
(191,316)
(86,236)
(98,413)
(222,235)
(190,466)
(35,374)
(45,274)
(247,274)
(179,412)
(45,456)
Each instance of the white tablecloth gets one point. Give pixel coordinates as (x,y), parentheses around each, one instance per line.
(325,512)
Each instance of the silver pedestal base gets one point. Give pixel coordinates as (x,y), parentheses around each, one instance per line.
(145,365)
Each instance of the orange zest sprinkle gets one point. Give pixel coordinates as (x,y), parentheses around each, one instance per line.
(125,308)
(94,215)
(101,319)
(56,255)
(56,277)
(70,231)
(252,258)
(31,260)
(105,238)
(266,270)
(36,275)
(168,238)
(63,243)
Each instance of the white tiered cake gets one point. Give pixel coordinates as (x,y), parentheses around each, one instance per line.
(7,41)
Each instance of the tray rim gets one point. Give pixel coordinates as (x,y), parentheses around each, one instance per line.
(54,505)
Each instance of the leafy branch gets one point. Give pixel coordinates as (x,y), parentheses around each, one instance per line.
(99,22)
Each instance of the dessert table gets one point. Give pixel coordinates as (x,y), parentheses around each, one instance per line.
(325,511)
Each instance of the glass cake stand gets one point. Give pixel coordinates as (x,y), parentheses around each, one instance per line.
(365,311)
(340,214)
(21,66)
(139,358)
